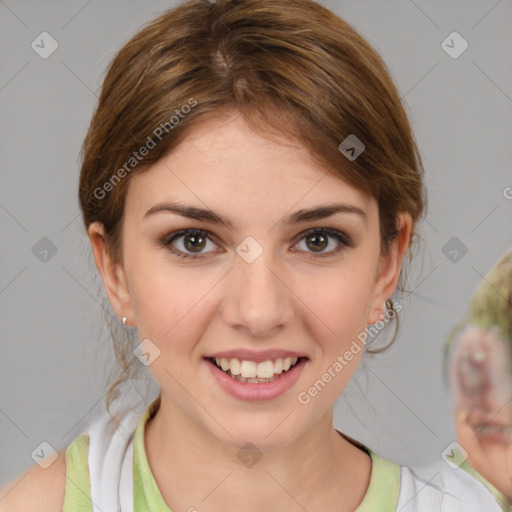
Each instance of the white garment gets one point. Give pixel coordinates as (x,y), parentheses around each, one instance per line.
(111,460)
(448,490)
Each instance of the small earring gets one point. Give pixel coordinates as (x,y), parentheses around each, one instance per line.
(124,320)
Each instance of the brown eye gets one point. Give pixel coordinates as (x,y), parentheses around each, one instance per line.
(317,240)
(193,241)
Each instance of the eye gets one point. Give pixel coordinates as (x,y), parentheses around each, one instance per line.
(193,241)
(318,239)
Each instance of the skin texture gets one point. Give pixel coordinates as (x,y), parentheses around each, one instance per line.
(284,299)
(37,488)
(482,392)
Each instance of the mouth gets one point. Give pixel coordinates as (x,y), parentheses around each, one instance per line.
(497,433)
(253,372)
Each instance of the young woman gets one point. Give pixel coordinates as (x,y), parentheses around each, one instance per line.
(250,187)
(479,358)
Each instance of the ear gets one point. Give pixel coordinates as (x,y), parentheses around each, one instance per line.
(388,271)
(112,273)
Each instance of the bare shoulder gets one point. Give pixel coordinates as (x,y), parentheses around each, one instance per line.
(37,486)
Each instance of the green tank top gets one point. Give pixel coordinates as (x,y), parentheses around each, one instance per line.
(382,494)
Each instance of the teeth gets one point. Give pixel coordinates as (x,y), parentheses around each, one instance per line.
(493,429)
(265,370)
(234,366)
(252,371)
(248,369)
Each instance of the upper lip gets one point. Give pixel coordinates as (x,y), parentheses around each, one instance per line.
(478,419)
(257,357)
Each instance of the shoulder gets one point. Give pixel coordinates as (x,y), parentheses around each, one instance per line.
(60,483)
(443,488)
(44,487)
(65,484)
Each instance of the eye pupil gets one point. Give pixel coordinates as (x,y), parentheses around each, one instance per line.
(317,236)
(195,244)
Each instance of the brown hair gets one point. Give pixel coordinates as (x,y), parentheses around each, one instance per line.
(290,67)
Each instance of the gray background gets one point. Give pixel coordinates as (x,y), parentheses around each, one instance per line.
(55,352)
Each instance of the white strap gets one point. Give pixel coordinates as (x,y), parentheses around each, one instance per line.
(126,482)
(111,461)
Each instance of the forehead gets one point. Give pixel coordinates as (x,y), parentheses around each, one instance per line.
(222,164)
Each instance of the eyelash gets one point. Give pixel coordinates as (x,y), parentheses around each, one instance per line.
(167,240)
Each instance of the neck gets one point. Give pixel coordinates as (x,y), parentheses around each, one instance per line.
(191,467)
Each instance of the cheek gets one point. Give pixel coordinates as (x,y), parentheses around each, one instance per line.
(169,303)
(339,305)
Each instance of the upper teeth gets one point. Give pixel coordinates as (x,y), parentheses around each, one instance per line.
(251,369)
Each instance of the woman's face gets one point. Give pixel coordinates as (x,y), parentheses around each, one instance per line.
(254,290)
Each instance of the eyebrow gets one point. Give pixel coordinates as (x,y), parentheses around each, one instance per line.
(205,215)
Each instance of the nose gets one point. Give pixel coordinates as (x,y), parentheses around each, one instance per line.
(258,299)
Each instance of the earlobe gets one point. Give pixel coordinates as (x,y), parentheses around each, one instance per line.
(388,272)
(111,272)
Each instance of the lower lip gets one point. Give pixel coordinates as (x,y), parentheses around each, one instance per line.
(253,391)
(500,437)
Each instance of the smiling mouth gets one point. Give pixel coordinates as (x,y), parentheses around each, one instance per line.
(255,373)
